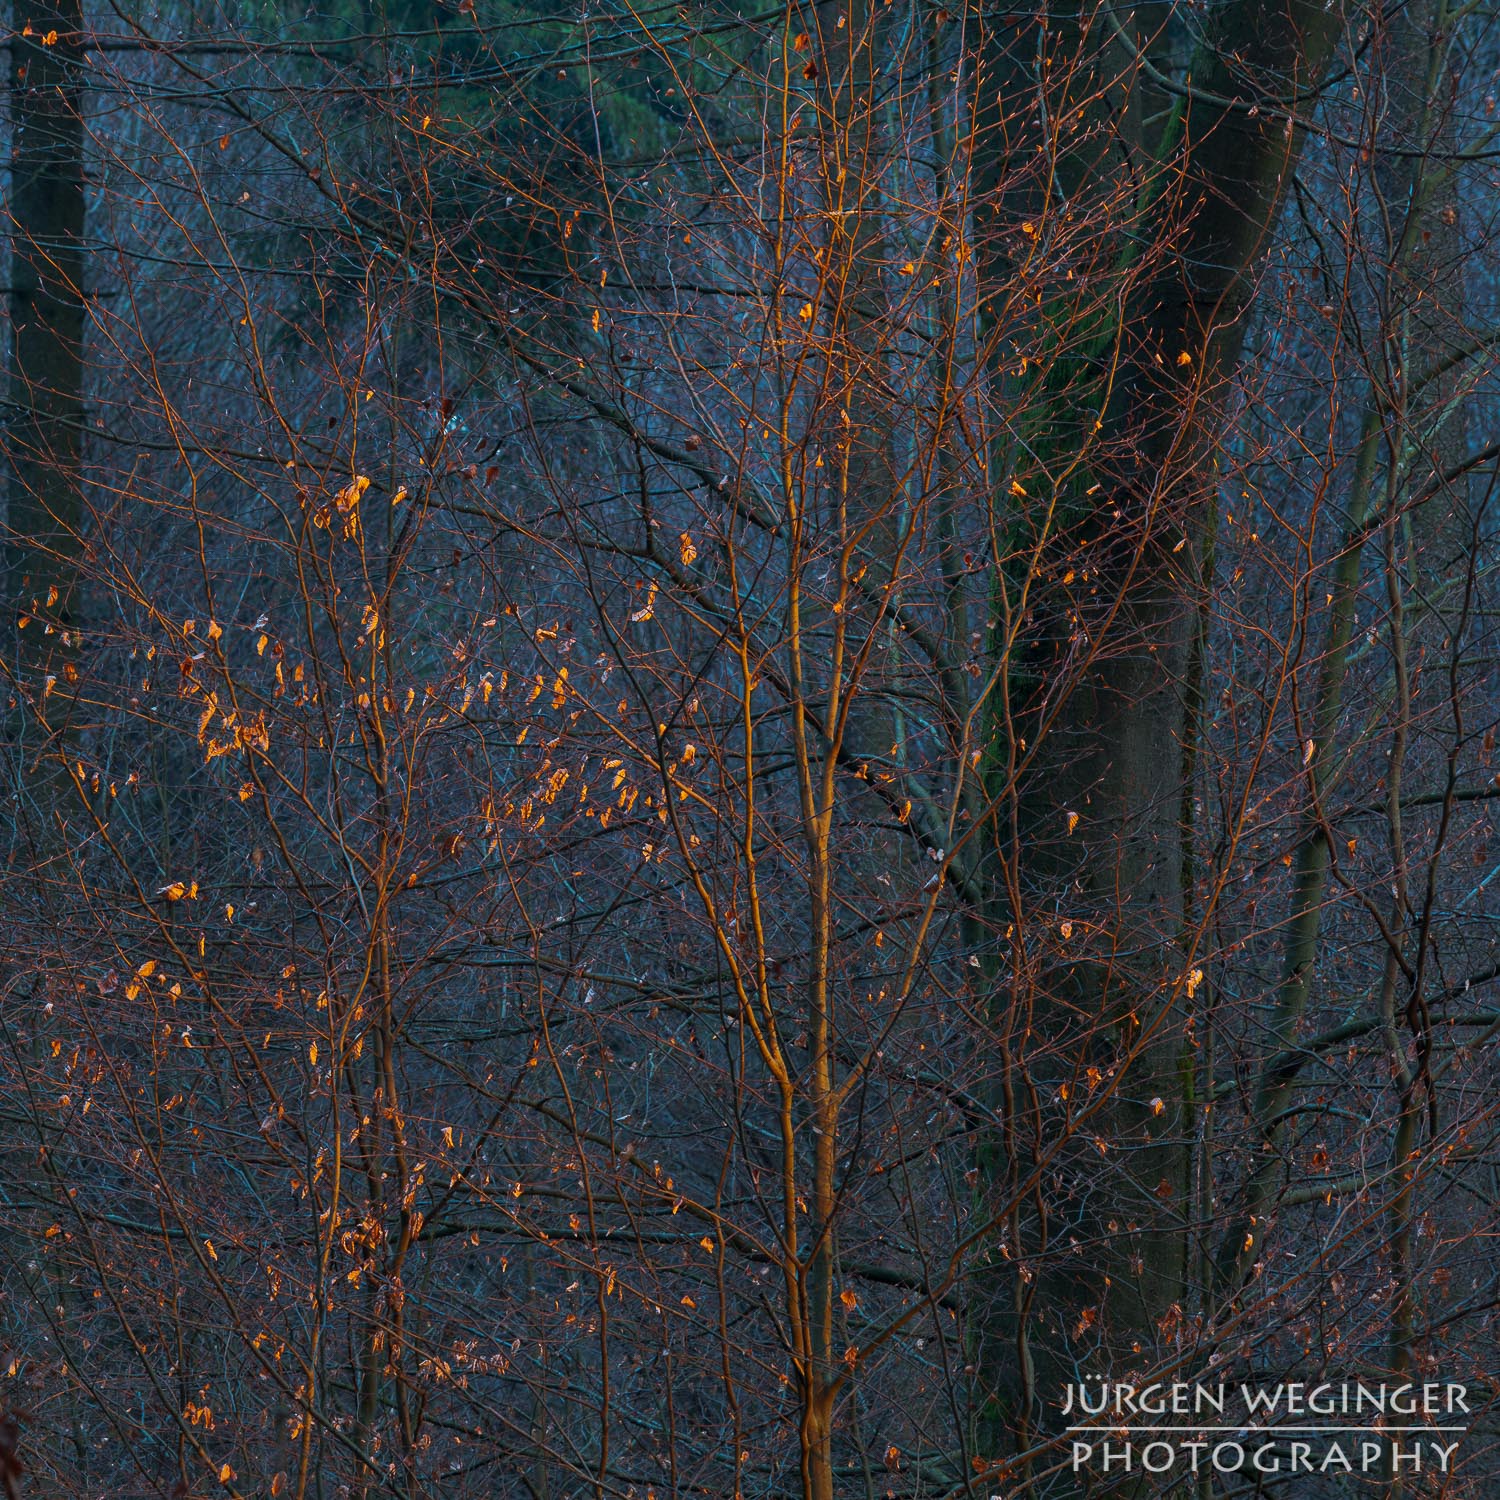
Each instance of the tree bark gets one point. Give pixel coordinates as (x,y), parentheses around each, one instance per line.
(45,426)
(1093,839)
(1419,426)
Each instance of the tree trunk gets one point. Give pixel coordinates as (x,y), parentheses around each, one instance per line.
(1099,983)
(45,424)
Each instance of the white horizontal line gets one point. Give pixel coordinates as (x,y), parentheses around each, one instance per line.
(1280,1427)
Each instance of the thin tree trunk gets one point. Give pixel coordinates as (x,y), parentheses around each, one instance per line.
(859,714)
(1424,259)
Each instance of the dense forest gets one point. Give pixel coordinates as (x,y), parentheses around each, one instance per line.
(736,740)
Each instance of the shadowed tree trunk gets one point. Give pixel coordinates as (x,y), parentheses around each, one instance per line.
(45,418)
(44,413)
(1414,437)
(1415,442)
(43,505)
(1094,838)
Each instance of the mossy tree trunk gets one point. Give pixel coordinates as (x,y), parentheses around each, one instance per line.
(1095,979)
(45,388)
